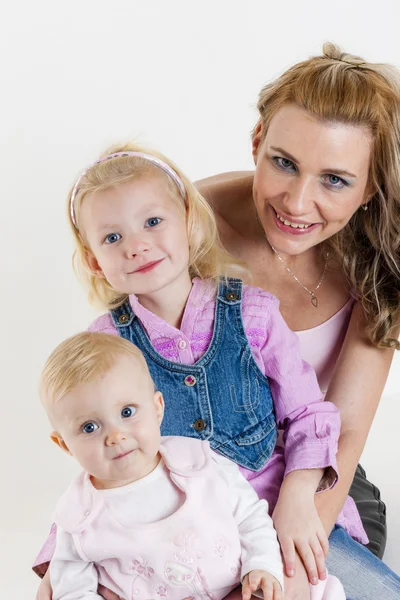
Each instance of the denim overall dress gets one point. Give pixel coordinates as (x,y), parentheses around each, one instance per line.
(223,398)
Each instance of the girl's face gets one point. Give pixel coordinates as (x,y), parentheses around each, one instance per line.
(137,237)
(310,178)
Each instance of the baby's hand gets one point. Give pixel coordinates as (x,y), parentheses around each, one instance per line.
(299,528)
(271,588)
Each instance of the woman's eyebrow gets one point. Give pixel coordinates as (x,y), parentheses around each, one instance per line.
(330,170)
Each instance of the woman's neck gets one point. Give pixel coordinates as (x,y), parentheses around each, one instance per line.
(169,302)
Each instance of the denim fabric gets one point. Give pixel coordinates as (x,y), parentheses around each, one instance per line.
(363,575)
(223,398)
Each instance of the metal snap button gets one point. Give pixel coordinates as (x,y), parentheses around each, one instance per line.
(123,318)
(199,425)
(190,380)
(231,296)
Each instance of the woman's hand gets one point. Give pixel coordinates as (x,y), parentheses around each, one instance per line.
(300,530)
(107,594)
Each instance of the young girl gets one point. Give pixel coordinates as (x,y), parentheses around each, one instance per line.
(150,517)
(147,249)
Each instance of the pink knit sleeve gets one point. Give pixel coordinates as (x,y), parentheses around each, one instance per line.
(45,555)
(311,425)
(103,324)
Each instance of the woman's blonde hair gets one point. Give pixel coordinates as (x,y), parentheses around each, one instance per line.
(339,87)
(207,258)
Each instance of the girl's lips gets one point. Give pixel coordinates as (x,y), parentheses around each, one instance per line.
(147,267)
(293,230)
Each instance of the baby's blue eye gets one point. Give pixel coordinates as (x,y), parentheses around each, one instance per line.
(153,222)
(90,427)
(127,412)
(112,238)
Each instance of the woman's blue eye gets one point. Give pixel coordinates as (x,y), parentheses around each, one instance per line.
(153,222)
(90,427)
(112,238)
(127,412)
(336,182)
(285,164)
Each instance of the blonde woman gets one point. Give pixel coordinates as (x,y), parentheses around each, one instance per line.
(318,224)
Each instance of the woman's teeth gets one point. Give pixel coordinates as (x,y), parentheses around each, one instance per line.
(294,225)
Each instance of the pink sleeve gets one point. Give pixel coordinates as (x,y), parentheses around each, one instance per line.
(45,555)
(103,324)
(311,425)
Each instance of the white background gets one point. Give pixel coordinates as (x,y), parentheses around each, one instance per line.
(182,76)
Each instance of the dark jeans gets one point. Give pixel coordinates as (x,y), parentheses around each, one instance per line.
(372,511)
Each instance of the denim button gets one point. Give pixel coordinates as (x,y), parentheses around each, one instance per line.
(122,319)
(231,296)
(190,380)
(199,425)
(182,344)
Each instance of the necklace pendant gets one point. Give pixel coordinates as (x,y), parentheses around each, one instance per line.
(314,300)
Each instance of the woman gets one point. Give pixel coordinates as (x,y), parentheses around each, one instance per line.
(318,224)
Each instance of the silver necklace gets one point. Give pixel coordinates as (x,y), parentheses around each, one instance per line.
(314,299)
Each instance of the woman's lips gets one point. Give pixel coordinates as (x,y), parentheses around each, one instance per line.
(292,230)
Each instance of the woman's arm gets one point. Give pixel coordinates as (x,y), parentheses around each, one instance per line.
(355,388)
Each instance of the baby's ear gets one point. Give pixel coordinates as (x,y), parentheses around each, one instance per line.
(93,264)
(159,404)
(57,439)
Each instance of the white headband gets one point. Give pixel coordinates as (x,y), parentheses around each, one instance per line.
(153,159)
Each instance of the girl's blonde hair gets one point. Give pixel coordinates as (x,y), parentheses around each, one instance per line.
(339,87)
(207,258)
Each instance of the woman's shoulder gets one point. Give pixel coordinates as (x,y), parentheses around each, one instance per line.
(225,189)
(103,324)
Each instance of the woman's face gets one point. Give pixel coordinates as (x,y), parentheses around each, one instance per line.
(310,178)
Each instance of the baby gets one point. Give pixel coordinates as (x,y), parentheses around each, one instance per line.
(150,517)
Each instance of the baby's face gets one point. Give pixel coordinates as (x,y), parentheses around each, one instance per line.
(112,424)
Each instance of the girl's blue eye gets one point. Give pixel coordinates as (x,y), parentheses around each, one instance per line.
(285,164)
(153,222)
(112,238)
(90,427)
(127,412)
(336,182)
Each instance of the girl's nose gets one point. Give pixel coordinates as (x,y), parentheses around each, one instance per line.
(136,245)
(115,437)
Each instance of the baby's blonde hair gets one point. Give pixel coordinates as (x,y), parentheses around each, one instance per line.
(83,358)
(207,258)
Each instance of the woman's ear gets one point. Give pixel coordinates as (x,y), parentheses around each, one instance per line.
(58,440)
(257,139)
(93,264)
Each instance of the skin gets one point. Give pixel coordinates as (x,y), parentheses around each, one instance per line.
(301,190)
(136,224)
(111,425)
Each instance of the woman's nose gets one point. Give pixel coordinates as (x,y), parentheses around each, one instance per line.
(300,196)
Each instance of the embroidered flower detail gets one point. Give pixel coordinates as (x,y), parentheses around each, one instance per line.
(234,570)
(220,547)
(162,591)
(142,570)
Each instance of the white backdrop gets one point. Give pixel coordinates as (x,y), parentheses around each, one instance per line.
(182,76)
